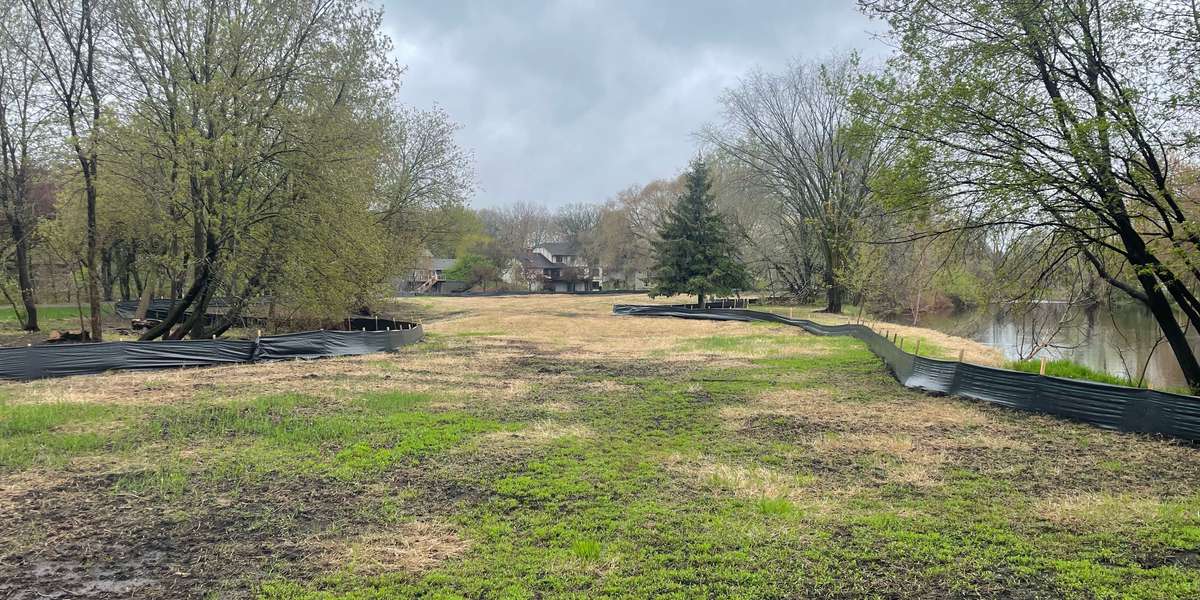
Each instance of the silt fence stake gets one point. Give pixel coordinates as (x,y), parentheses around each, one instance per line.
(1043,369)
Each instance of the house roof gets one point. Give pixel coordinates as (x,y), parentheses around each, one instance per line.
(443,264)
(560,248)
(537,261)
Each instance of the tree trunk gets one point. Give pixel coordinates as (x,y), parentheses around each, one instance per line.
(1160,307)
(93,283)
(700,300)
(144,301)
(177,310)
(106,274)
(24,273)
(123,280)
(194,326)
(833,294)
(199,286)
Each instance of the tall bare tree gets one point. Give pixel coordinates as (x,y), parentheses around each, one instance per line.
(68,39)
(425,179)
(519,226)
(796,135)
(22,120)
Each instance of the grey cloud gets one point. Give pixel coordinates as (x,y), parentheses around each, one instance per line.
(571,101)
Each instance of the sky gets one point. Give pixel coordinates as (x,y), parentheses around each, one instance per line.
(565,101)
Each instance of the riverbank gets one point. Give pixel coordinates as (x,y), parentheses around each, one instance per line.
(934,343)
(1120,340)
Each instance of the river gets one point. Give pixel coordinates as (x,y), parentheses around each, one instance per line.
(1116,339)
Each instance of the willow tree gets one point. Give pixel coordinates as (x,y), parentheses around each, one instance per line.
(1059,119)
(796,134)
(258,125)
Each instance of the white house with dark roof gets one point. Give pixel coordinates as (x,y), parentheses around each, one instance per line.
(554,267)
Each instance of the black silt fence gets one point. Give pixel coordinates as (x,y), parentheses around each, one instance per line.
(158,307)
(1107,406)
(62,360)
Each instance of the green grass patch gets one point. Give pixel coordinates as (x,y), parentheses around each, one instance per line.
(52,313)
(48,434)
(1068,369)
(368,435)
(775,506)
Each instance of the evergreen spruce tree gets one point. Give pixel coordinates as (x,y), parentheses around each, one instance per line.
(695,251)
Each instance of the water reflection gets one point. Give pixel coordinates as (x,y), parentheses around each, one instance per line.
(1117,339)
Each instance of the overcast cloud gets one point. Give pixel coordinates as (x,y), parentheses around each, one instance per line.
(574,100)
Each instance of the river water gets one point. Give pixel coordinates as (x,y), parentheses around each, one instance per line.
(1117,339)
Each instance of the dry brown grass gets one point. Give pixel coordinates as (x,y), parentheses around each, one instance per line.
(572,328)
(744,481)
(973,352)
(539,432)
(580,326)
(409,547)
(1097,511)
(829,408)
(908,439)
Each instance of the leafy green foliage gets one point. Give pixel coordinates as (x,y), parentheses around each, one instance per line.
(696,253)
(474,270)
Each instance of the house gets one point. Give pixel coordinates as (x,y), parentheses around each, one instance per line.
(554,267)
(428,276)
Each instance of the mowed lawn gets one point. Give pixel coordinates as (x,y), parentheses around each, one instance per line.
(539,447)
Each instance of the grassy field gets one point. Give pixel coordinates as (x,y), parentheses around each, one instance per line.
(50,317)
(539,447)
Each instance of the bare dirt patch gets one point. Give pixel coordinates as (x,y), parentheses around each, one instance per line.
(94,543)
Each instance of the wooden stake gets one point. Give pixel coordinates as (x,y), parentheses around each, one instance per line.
(1043,371)
(960,354)
(918,350)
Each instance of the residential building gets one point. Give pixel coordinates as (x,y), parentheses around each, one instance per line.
(554,267)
